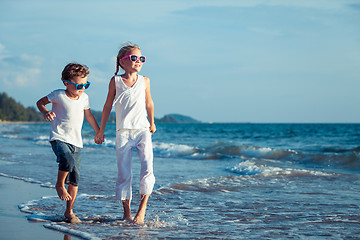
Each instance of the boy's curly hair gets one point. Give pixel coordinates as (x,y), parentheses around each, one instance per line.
(74,70)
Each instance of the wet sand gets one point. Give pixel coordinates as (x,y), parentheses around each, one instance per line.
(13,222)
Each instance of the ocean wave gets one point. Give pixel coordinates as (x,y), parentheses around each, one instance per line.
(223,150)
(11,136)
(251,167)
(25,179)
(219,150)
(73,232)
(213,184)
(42,140)
(245,174)
(3,162)
(328,156)
(174,150)
(341,150)
(349,160)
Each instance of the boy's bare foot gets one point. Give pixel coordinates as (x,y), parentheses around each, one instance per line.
(71,218)
(62,193)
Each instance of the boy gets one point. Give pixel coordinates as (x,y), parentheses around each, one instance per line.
(68,109)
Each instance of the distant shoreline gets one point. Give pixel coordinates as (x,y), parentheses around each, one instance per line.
(32,122)
(20,122)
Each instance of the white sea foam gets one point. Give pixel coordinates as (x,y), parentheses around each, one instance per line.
(173,150)
(26,207)
(85,195)
(265,152)
(2,162)
(47,185)
(77,233)
(25,179)
(11,136)
(90,142)
(4,175)
(252,168)
(212,184)
(42,140)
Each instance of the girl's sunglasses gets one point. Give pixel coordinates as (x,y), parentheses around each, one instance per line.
(80,85)
(134,58)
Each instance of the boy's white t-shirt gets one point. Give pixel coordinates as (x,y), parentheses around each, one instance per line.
(69,119)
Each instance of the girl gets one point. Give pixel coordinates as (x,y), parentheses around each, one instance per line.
(134,125)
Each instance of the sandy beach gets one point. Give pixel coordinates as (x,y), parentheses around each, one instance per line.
(13,223)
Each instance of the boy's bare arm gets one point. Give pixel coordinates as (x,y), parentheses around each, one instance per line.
(93,123)
(91,120)
(48,115)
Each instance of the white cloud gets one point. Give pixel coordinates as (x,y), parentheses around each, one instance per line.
(319,4)
(18,70)
(2,48)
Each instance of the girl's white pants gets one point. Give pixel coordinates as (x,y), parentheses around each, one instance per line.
(126,140)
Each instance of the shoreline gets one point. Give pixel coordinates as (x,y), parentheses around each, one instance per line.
(210,122)
(19,122)
(13,222)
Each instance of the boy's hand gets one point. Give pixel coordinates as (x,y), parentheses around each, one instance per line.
(49,116)
(99,138)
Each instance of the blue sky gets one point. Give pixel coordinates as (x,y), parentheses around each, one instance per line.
(216,61)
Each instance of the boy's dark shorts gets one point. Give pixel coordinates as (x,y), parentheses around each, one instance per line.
(68,157)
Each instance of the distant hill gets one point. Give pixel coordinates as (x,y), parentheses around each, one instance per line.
(176,118)
(10,110)
(170,118)
(97,115)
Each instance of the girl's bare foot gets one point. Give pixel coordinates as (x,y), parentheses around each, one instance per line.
(127,218)
(127,210)
(140,215)
(139,219)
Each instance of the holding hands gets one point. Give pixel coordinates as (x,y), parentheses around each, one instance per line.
(99,137)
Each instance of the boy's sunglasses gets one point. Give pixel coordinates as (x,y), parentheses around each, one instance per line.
(134,58)
(80,85)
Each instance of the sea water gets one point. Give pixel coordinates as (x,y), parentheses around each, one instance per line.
(215,181)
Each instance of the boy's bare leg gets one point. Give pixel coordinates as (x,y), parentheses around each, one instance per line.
(69,213)
(140,215)
(60,186)
(127,210)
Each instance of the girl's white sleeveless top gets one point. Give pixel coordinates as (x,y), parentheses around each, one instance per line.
(130,105)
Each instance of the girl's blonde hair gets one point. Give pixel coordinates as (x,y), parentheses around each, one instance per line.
(122,53)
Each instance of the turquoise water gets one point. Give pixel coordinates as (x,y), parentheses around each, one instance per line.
(217,181)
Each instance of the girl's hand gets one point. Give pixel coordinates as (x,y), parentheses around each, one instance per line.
(49,116)
(99,138)
(152,128)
